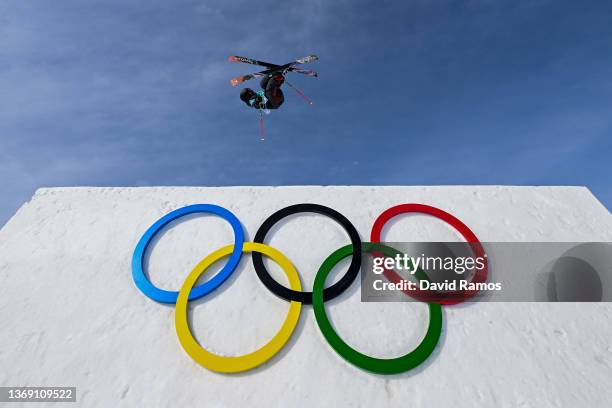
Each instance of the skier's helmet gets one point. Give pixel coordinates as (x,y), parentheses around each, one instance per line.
(247,94)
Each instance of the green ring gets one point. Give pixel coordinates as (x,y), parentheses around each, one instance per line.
(377,365)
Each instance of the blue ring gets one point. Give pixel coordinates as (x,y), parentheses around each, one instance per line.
(167,296)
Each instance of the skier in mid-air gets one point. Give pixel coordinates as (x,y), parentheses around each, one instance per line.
(271,96)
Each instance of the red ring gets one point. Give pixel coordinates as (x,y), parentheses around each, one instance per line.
(424,295)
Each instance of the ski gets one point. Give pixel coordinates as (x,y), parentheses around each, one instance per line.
(236,58)
(243,78)
(246,60)
(238,80)
(272,68)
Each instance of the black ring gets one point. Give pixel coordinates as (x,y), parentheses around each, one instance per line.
(306,297)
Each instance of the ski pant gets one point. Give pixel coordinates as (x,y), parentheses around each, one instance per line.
(272,89)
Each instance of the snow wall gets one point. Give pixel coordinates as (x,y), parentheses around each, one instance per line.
(72,316)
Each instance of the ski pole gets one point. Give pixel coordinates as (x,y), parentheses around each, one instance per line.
(307,99)
(261,126)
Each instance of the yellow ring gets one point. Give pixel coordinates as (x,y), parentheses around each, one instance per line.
(248,361)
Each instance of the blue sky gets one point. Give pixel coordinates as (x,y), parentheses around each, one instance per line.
(410,92)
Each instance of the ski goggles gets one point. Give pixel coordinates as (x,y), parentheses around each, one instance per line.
(294,293)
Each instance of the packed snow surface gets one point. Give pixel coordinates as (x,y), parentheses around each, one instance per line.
(72,316)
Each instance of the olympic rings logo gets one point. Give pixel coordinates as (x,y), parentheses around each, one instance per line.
(294,294)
